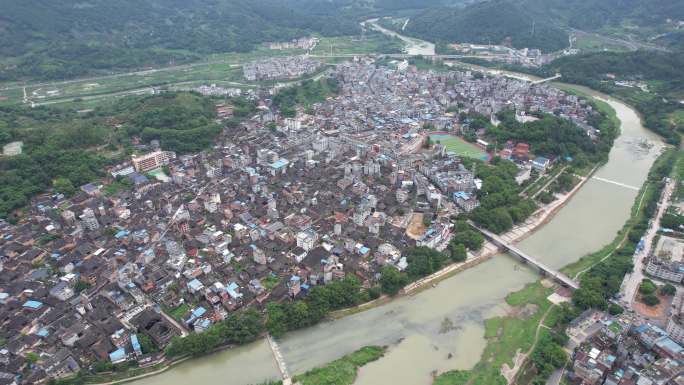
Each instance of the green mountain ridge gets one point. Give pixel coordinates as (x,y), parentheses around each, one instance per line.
(545,24)
(489,22)
(592,15)
(52,39)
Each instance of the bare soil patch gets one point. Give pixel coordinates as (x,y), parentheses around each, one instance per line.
(416,228)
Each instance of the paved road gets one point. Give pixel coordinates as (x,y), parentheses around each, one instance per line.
(555,377)
(629,44)
(631,282)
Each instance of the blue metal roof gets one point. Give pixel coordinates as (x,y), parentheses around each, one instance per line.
(33,304)
(199,312)
(195,284)
(462,195)
(669,344)
(117,355)
(280,163)
(135,342)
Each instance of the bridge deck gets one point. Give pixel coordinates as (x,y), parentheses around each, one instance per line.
(558,276)
(280,361)
(557,76)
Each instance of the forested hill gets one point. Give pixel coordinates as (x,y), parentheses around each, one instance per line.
(660,71)
(654,21)
(489,22)
(591,15)
(66,38)
(498,21)
(59,39)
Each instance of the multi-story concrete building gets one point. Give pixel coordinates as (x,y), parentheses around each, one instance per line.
(89,219)
(669,271)
(675,329)
(307,239)
(152,160)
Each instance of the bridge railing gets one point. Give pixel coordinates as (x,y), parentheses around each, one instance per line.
(558,276)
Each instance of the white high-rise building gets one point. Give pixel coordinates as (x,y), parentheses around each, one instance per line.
(89,220)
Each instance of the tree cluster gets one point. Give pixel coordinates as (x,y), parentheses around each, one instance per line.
(238,328)
(550,135)
(62,149)
(492,22)
(306,94)
(591,69)
(500,204)
(290,315)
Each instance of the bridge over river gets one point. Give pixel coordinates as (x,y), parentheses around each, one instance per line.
(528,259)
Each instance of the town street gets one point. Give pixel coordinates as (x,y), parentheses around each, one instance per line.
(632,280)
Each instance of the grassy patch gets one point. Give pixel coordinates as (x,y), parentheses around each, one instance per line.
(357,45)
(426,64)
(677,117)
(454,377)
(532,293)
(459,146)
(118,185)
(538,184)
(270,282)
(592,43)
(342,371)
(179,312)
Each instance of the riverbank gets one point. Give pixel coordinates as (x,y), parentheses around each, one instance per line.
(112,378)
(507,337)
(510,335)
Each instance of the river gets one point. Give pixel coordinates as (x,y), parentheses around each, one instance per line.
(414,326)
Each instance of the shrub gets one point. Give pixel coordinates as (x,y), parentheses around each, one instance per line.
(614,309)
(667,289)
(647,287)
(650,300)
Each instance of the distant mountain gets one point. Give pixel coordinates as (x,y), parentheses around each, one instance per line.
(511,21)
(57,39)
(65,38)
(592,15)
(651,21)
(495,22)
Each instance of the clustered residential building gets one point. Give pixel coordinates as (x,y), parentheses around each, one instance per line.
(306,43)
(624,350)
(278,68)
(525,57)
(326,194)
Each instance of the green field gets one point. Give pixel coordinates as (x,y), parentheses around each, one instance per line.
(459,146)
(223,69)
(357,45)
(594,43)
